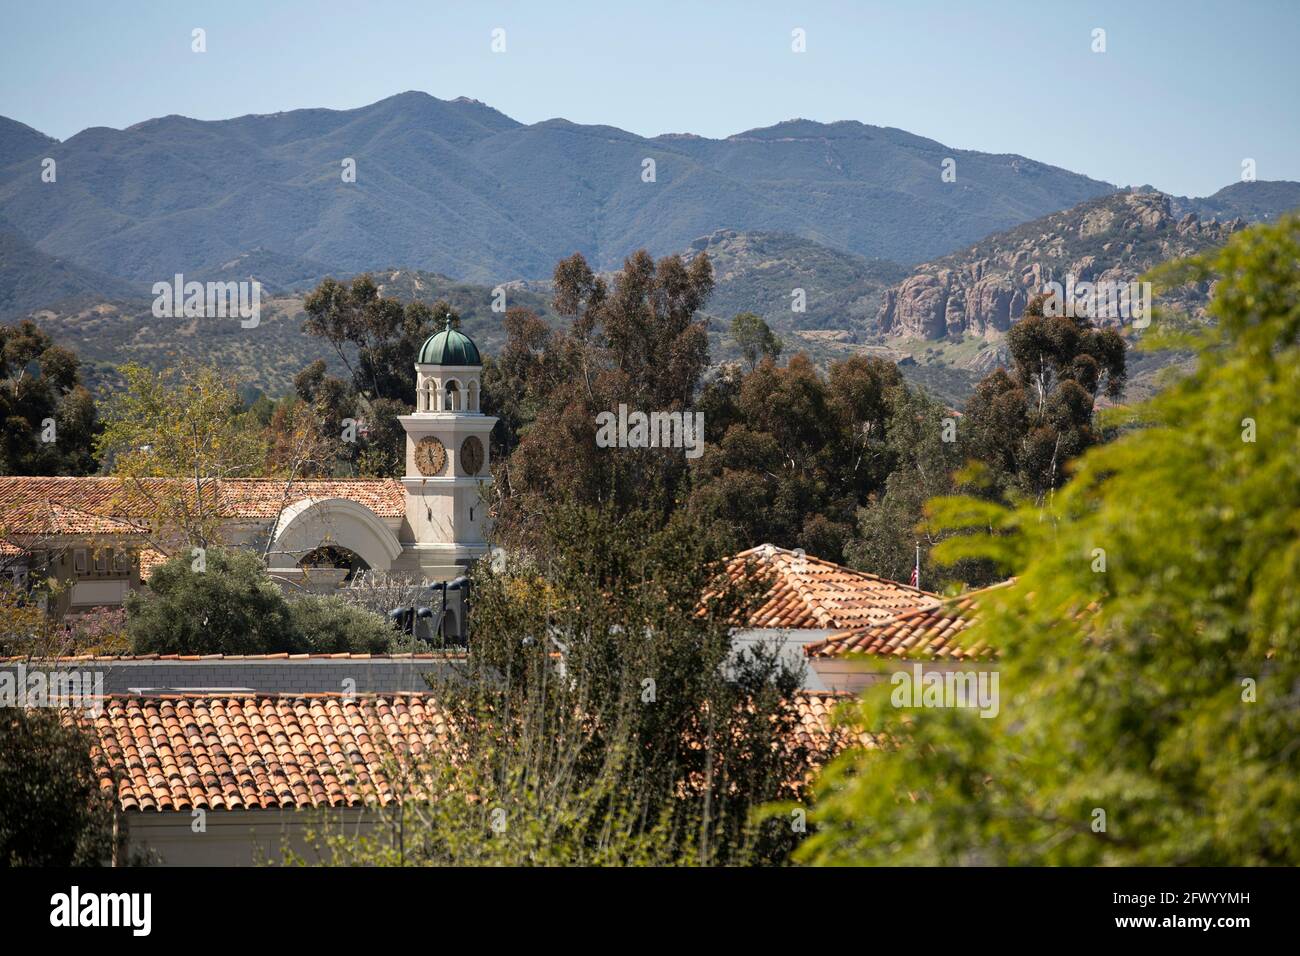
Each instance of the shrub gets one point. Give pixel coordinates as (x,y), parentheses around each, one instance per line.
(52,812)
(232,606)
(330,625)
(229,606)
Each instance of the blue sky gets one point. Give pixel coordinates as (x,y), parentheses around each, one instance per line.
(1184,92)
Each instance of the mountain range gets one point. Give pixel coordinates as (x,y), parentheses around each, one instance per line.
(453,198)
(458,188)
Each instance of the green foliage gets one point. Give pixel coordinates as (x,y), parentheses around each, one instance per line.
(186,423)
(52,812)
(754,339)
(1026,423)
(1158,687)
(330,625)
(376,338)
(792,453)
(637,342)
(893,523)
(40,382)
(233,607)
(603,717)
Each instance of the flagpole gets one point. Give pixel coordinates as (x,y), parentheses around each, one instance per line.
(916,575)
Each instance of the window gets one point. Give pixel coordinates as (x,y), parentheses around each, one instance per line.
(101,560)
(121,562)
(79,560)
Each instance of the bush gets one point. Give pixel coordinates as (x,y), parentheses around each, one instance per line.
(232,606)
(330,625)
(52,812)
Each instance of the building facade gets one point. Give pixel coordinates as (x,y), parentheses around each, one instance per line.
(89,536)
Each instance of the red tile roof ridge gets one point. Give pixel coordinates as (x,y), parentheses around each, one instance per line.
(912,632)
(811,592)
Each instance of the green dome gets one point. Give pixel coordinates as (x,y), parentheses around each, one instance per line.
(448,347)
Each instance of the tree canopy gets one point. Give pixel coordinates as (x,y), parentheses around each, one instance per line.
(225,603)
(49,416)
(1150,647)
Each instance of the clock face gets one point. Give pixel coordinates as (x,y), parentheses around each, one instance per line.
(471,455)
(430,456)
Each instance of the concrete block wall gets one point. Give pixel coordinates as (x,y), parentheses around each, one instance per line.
(271,676)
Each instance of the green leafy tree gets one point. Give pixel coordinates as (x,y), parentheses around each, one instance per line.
(1150,648)
(52,811)
(638,342)
(1028,421)
(924,446)
(377,339)
(792,453)
(187,424)
(229,605)
(330,625)
(755,339)
(602,717)
(40,385)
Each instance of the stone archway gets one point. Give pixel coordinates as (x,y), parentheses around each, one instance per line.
(313,523)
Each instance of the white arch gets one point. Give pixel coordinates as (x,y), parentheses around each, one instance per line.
(452,387)
(310,523)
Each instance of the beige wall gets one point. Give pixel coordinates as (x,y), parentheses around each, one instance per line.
(239,837)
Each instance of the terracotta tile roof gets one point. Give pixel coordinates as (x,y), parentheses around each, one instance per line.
(185,751)
(927,632)
(807,592)
(264,751)
(47,517)
(91,505)
(817,730)
(261,498)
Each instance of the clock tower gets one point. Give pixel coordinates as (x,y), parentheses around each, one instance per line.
(447,472)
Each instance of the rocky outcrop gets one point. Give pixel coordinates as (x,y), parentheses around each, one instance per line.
(982,290)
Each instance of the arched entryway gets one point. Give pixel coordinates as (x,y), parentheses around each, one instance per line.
(309,526)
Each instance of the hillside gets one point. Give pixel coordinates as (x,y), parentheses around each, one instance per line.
(30,279)
(1260,201)
(757,272)
(951,313)
(19,141)
(107,333)
(981,290)
(458,188)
